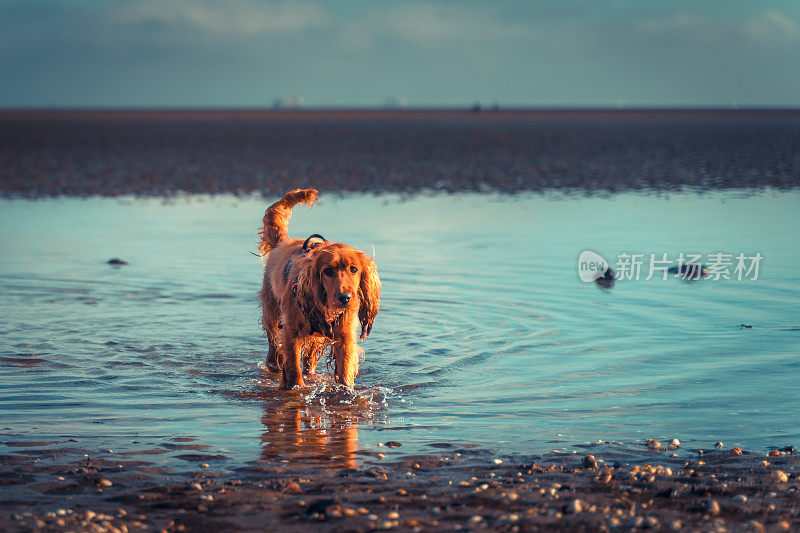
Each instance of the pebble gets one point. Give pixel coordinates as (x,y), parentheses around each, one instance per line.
(774,453)
(498,461)
(293,488)
(362,510)
(589,461)
(735,451)
(675,525)
(636,522)
(765,464)
(653,444)
(740,499)
(393,515)
(204,465)
(779,476)
(753,525)
(475,518)
(713,508)
(651,522)
(675,443)
(104,483)
(718,444)
(196,486)
(576,507)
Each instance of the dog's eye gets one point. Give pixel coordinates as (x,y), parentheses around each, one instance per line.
(328,272)
(353,269)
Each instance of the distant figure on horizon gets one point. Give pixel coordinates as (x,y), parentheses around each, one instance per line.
(289,102)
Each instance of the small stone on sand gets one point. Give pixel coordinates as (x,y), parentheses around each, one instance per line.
(589,461)
(779,476)
(713,508)
(576,506)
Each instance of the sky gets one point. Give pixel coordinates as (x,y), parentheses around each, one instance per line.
(543,53)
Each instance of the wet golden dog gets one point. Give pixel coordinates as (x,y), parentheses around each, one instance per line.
(316,293)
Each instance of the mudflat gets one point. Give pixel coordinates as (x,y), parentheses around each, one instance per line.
(164,152)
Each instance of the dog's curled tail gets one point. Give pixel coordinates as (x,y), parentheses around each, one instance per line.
(276,219)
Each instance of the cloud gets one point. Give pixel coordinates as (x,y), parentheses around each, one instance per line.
(772,28)
(677,22)
(428,25)
(230,17)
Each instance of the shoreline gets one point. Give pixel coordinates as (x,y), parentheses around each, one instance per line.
(452,487)
(359,114)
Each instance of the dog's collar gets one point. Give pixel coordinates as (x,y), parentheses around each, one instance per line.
(319,324)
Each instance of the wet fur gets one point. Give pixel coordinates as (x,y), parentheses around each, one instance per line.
(300,312)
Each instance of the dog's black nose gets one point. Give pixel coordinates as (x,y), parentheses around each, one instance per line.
(344,297)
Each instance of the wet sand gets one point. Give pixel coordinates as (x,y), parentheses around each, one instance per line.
(165,152)
(64,486)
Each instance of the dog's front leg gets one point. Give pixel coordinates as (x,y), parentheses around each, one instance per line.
(292,367)
(345,356)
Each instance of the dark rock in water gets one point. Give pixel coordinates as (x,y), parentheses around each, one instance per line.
(392,444)
(689,270)
(789,449)
(606,279)
(117,261)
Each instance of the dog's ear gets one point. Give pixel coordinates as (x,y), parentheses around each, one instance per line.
(311,296)
(369,294)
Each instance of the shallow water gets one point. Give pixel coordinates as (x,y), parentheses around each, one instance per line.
(486,334)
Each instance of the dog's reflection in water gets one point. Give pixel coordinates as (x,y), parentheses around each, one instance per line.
(318,428)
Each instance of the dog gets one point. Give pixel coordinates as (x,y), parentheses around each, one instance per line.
(315,295)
